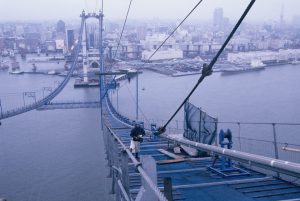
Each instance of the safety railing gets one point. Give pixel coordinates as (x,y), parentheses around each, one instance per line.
(279,166)
(271,162)
(277,140)
(118,156)
(118,115)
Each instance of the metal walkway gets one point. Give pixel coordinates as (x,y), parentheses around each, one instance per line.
(70,105)
(191,179)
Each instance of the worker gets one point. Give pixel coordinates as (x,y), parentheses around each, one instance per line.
(137,134)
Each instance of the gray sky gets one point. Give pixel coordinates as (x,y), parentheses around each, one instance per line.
(143,9)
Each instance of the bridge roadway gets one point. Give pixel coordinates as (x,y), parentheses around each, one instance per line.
(190,177)
(70,105)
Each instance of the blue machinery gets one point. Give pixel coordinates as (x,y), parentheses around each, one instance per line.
(226,168)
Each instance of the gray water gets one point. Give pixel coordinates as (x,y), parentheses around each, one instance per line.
(50,155)
(59,155)
(271,95)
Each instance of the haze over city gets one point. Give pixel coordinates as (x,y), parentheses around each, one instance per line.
(184,100)
(14,10)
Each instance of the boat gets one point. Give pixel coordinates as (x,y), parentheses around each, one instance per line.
(241,70)
(52,72)
(257,63)
(16,72)
(295,62)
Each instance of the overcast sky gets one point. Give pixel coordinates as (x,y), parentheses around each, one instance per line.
(144,9)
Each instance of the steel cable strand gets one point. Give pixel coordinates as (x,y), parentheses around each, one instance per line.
(140,109)
(182,21)
(124,24)
(207,69)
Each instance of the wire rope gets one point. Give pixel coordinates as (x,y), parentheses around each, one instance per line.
(124,24)
(139,108)
(207,69)
(182,21)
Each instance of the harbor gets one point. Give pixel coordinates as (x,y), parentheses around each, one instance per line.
(90,149)
(151,110)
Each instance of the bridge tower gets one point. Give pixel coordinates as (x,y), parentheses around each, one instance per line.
(84,55)
(99,17)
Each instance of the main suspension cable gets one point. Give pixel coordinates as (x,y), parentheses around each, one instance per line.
(207,69)
(124,24)
(194,8)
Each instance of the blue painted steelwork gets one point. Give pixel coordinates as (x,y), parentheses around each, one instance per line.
(190,178)
(226,168)
(70,105)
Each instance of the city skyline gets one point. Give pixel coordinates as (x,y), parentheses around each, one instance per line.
(145,9)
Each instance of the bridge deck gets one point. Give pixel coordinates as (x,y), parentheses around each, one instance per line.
(192,181)
(69,105)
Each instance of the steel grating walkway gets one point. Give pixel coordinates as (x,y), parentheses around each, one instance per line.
(192,181)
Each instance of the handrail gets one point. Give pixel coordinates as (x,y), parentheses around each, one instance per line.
(123,191)
(139,168)
(241,122)
(281,166)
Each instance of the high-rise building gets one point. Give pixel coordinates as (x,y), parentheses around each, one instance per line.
(70,38)
(60,27)
(218,18)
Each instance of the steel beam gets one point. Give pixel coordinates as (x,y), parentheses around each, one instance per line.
(281,166)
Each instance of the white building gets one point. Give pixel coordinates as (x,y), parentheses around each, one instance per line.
(154,40)
(163,54)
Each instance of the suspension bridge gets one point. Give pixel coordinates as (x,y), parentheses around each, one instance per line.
(163,173)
